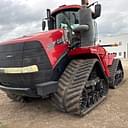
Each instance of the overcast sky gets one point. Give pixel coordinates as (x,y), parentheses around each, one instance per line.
(22,17)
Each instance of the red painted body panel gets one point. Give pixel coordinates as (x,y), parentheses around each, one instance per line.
(104,58)
(48,40)
(109,59)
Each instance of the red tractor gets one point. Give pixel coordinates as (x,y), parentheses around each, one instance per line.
(62,63)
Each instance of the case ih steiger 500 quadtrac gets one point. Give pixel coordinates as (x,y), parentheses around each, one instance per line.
(63,63)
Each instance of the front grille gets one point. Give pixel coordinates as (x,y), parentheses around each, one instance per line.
(34,54)
(22,55)
(11,55)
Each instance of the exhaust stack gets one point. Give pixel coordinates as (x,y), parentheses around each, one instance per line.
(84,2)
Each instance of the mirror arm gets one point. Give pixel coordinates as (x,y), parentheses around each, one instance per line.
(96,2)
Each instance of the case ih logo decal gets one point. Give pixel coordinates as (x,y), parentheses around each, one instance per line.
(51,45)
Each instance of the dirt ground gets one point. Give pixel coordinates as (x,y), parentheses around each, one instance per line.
(113,113)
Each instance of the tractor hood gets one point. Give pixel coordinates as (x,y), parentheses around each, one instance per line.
(50,42)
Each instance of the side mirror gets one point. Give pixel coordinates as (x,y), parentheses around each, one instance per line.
(97,12)
(43,25)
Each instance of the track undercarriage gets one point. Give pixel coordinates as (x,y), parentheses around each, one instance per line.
(81,87)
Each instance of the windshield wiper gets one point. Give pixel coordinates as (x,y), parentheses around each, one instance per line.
(67,21)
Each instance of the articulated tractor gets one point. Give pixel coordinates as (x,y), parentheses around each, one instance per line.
(63,63)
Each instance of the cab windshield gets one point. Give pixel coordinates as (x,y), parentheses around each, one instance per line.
(67,19)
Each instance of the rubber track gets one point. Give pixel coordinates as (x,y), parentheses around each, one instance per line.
(71,84)
(113,70)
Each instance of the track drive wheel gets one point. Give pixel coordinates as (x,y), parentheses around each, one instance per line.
(81,87)
(117,74)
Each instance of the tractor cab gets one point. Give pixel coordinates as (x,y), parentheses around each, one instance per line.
(78,22)
(63,17)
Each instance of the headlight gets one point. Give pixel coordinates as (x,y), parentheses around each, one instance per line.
(20,70)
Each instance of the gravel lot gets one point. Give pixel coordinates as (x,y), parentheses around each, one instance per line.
(113,113)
